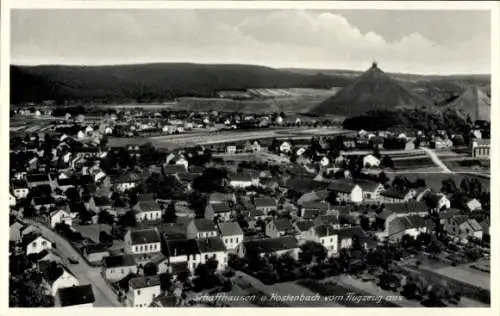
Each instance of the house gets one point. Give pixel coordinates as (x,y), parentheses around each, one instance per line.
(142,241)
(240,181)
(463,227)
(147,211)
(213,248)
(480,148)
(123,182)
(412,225)
(324,161)
(327,236)
(346,191)
(279,228)
(201,228)
(143,290)
(65,184)
(311,210)
(397,195)
(99,203)
(95,253)
(20,189)
(35,180)
(55,277)
(473,205)
(265,204)
(46,202)
(305,231)
(60,216)
(48,256)
(279,246)
(231,149)
(231,234)
(348,236)
(116,268)
(34,243)
(220,211)
(285,147)
(370,161)
(371,190)
(181,255)
(255,146)
(327,219)
(15,231)
(75,296)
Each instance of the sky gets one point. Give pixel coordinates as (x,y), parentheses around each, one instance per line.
(426,42)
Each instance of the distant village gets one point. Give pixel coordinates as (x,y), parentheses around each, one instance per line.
(140,226)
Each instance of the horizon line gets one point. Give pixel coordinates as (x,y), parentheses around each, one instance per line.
(283,68)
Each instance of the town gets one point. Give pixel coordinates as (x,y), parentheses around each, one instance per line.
(197,156)
(111,209)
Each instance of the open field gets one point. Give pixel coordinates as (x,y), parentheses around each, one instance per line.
(434,180)
(293,100)
(419,162)
(466,274)
(468,164)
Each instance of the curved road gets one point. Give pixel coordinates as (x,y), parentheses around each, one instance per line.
(86,274)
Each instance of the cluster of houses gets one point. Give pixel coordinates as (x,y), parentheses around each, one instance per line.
(328,211)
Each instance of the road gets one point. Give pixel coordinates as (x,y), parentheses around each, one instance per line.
(436,160)
(86,274)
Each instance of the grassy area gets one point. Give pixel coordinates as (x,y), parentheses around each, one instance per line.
(330,289)
(454,285)
(414,162)
(434,180)
(468,165)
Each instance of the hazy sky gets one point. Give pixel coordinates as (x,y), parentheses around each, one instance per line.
(401,41)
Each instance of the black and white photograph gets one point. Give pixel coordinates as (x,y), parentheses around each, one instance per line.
(250,156)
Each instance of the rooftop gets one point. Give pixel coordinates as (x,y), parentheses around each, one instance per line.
(144,282)
(230,229)
(119,261)
(144,236)
(76,295)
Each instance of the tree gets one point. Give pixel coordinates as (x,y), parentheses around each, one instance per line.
(104,217)
(150,269)
(310,251)
(169,215)
(128,219)
(448,186)
(165,281)
(105,238)
(387,162)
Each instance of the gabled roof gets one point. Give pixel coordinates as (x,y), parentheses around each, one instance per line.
(304,225)
(144,236)
(341,186)
(220,208)
(368,186)
(119,261)
(148,206)
(51,271)
(76,295)
(283,224)
(181,247)
(204,225)
(396,193)
(144,282)
(407,207)
(325,230)
(269,245)
(264,202)
(320,206)
(314,196)
(211,244)
(230,229)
